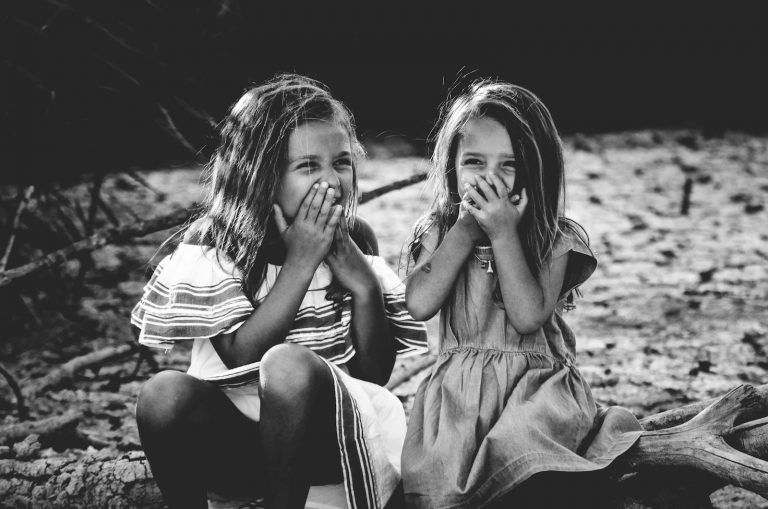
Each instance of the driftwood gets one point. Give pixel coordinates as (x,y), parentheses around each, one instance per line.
(704,443)
(678,466)
(67,370)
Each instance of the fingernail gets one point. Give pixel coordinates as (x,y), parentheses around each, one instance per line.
(315,186)
(324,184)
(330,191)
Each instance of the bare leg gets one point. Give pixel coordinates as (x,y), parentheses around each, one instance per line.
(297,424)
(195,439)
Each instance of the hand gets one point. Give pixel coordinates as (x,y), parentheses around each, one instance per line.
(308,239)
(348,264)
(496,212)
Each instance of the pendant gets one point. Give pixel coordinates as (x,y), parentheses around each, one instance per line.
(490,267)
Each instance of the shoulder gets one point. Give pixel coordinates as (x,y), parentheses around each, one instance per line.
(571,237)
(364,236)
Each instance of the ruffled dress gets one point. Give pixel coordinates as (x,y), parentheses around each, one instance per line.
(499,406)
(195,295)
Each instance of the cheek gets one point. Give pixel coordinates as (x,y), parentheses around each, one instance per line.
(290,195)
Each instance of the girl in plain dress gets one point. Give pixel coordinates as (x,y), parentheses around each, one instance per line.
(497,258)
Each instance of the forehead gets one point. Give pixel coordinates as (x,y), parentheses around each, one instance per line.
(314,136)
(484,134)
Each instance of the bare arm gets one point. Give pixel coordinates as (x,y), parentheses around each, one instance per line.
(307,241)
(528,301)
(371,334)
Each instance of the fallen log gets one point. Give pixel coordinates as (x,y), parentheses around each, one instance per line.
(678,467)
(88,481)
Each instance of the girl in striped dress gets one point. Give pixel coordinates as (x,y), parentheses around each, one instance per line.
(295,320)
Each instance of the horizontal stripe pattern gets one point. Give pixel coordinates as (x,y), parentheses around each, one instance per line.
(195,294)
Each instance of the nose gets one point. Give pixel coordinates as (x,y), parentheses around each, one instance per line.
(330,176)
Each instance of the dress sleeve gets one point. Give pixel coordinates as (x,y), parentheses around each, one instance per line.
(192,294)
(581,262)
(424,242)
(410,334)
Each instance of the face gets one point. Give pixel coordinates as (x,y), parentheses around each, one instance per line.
(484,148)
(317,152)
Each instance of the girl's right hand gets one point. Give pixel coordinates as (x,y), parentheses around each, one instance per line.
(308,239)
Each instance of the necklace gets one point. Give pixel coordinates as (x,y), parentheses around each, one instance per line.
(485,257)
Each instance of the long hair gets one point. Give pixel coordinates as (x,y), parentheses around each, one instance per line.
(245,171)
(539,162)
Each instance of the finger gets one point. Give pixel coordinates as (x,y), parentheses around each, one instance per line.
(317,202)
(333,220)
(325,208)
(308,199)
(523,201)
(486,188)
(474,195)
(499,185)
(280,221)
(471,209)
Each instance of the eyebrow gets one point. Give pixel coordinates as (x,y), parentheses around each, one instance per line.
(478,154)
(313,157)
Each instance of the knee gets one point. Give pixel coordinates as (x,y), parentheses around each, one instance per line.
(289,372)
(166,401)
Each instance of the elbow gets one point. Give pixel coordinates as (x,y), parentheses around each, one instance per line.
(418,312)
(527,325)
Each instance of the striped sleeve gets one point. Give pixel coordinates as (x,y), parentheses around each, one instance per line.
(410,334)
(192,294)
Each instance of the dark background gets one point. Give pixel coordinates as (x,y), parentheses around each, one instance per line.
(96,86)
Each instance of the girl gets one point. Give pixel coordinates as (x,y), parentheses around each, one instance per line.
(295,321)
(504,400)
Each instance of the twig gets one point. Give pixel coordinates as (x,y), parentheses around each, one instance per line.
(107,210)
(144,182)
(22,408)
(95,190)
(687,189)
(100,238)
(398,184)
(67,370)
(15,225)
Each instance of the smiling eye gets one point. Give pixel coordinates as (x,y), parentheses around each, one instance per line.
(509,166)
(472,161)
(307,166)
(344,161)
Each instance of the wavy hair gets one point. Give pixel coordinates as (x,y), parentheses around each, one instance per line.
(539,162)
(245,172)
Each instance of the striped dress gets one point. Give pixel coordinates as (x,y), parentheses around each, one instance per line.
(195,295)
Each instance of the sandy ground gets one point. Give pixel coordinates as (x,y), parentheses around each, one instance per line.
(676,312)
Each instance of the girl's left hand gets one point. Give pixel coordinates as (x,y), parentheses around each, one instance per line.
(496,212)
(348,264)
